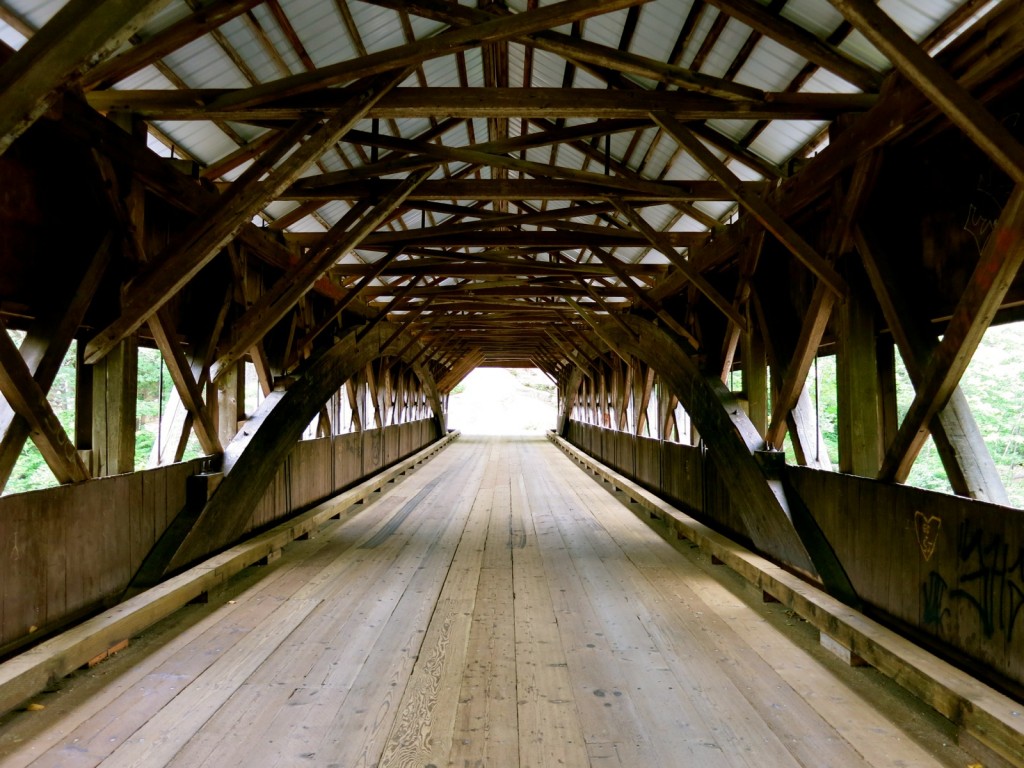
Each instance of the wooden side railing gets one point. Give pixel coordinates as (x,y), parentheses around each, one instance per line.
(70,551)
(945,570)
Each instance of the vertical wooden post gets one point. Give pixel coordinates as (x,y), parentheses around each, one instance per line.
(83,407)
(860,450)
(115,385)
(888,415)
(230,402)
(755,376)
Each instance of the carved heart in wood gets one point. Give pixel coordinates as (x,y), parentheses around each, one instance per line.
(927,533)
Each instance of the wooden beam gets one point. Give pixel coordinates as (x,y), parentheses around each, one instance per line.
(514,189)
(777,523)
(958,439)
(43,349)
(755,204)
(1000,260)
(980,126)
(281,297)
(547,239)
(79,35)
(413,54)
(28,400)
(792,385)
(662,242)
(166,41)
(470,103)
(574,48)
(234,209)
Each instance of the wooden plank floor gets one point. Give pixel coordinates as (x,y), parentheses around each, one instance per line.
(497,608)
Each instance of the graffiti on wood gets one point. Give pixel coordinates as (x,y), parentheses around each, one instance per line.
(927,528)
(990,580)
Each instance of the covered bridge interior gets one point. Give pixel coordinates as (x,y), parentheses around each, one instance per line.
(321,215)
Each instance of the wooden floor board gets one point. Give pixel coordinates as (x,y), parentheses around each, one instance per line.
(498,607)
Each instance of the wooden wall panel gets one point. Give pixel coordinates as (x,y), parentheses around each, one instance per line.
(682,475)
(372,450)
(948,568)
(348,459)
(70,550)
(392,448)
(648,462)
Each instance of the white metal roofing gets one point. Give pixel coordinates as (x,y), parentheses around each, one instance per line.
(326,39)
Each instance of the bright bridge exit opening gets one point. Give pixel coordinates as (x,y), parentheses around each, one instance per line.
(503,401)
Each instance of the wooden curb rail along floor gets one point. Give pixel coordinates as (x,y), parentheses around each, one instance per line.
(994,720)
(29,673)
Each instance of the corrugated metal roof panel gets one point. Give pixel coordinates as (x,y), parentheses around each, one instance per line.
(148,78)
(201,139)
(605,29)
(686,224)
(547,69)
(379,28)
(782,138)
(919,17)
(332,212)
(725,49)
(254,53)
(858,48)
(202,64)
(771,66)
(813,15)
(658,28)
(824,81)
(36,12)
(319,27)
(733,129)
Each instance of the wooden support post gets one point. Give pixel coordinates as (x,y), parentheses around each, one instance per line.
(115,384)
(859,409)
(793,383)
(230,402)
(567,399)
(755,376)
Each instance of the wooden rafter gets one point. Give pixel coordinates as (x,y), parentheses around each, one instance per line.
(280,298)
(755,204)
(260,183)
(937,84)
(81,34)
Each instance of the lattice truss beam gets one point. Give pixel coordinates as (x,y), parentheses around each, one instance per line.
(495,180)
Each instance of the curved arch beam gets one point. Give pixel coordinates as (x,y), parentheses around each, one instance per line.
(253,457)
(778,523)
